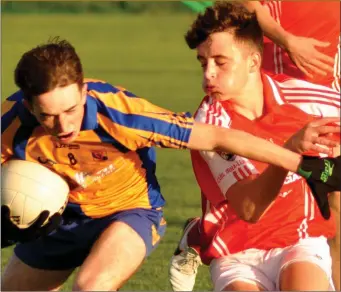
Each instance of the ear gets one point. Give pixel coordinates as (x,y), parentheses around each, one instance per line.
(255,62)
(84,92)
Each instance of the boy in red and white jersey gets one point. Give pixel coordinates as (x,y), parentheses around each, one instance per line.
(261,228)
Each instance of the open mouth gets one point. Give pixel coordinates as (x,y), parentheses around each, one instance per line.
(210,88)
(67,136)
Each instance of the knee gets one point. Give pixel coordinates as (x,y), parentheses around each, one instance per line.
(9,276)
(6,284)
(83,286)
(94,283)
(303,276)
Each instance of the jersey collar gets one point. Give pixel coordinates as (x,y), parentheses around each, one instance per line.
(90,114)
(271,93)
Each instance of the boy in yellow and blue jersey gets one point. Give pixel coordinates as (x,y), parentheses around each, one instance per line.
(110,164)
(100,139)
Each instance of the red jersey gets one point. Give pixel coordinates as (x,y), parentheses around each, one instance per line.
(289,105)
(313,19)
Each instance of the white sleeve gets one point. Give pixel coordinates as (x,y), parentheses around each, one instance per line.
(228,169)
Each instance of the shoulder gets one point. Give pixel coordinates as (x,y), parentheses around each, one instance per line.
(289,83)
(312,98)
(13,107)
(12,102)
(295,88)
(100,89)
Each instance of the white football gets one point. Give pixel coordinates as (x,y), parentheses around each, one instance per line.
(29,188)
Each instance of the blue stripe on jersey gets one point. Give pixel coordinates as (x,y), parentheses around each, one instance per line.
(8,118)
(17,96)
(20,141)
(144,123)
(102,87)
(90,114)
(148,158)
(106,138)
(129,94)
(188,115)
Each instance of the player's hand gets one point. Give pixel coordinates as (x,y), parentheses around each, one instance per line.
(323,177)
(316,136)
(305,55)
(10,233)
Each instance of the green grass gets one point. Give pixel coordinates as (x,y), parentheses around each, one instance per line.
(148,56)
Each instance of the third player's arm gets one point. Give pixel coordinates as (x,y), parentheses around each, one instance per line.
(301,50)
(269,25)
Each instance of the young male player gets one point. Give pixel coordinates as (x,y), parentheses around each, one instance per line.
(301,42)
(276,247)
(99,137)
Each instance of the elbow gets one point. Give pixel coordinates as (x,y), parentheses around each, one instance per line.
(249,213)
(249,218)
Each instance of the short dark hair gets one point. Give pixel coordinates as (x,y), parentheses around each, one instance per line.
(229,16)
(47,66)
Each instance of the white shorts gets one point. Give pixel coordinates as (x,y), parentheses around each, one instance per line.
(264,267)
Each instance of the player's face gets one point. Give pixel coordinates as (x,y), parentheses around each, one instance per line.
(226,65)
(61,111)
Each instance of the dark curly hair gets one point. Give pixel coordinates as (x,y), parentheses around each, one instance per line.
(230,16)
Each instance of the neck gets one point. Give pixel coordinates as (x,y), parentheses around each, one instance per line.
(250,102)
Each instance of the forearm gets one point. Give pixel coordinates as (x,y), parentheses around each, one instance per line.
(207,137)
(252,198)
(271,28)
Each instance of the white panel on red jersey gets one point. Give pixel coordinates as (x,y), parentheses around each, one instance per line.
(311,98)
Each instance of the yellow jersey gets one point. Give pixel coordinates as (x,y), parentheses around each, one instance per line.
(110,167)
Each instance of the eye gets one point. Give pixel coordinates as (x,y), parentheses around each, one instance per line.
(45,117)
(71,110)
(202,62)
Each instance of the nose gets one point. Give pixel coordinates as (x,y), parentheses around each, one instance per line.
(210,71)
(62,124)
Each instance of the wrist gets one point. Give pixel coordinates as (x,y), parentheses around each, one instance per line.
(289,145)
(304,173)
(288,40)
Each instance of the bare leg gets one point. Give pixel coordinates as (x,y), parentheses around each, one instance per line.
(20,277)
(114,258)
(303,276)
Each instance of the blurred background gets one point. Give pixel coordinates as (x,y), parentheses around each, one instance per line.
(137,45)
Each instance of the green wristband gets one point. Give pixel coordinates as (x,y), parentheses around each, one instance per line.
(305,174)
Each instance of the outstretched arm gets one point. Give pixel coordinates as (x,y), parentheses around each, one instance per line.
(252,202)
(208,137)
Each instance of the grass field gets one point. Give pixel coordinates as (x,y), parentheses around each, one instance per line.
(148,56)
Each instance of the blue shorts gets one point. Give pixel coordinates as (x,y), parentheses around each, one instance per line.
(68,246)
